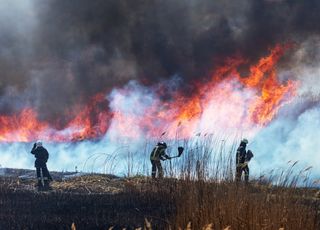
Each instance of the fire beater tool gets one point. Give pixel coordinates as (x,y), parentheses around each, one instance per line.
(180,151)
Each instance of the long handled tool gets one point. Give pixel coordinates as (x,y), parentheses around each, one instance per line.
(180,151)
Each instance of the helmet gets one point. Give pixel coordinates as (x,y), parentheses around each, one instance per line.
(163,144)
(244,140)
(39,143)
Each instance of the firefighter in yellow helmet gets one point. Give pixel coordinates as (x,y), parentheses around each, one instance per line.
(242,159)
(158,154)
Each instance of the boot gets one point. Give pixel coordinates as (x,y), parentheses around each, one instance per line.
(39,185)
(47,185)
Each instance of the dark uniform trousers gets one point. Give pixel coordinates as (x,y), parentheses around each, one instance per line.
(43,173)
(241,169)
(156,165)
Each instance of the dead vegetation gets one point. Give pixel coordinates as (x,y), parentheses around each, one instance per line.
(101,202)
(197,193)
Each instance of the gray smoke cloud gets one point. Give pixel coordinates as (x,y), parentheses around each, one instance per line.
(55,54)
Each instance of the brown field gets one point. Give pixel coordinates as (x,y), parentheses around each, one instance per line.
(102,202)
(198,192)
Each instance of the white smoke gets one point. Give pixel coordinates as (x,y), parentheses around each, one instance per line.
(287,138)
(133,101)
(293,135)
(284,142)
(105,156)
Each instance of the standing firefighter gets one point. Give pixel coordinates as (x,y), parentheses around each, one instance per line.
(242,159)
(43,175)
(157,154)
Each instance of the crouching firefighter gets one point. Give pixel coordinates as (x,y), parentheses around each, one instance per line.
(242,159)
(43,175)
(158,154)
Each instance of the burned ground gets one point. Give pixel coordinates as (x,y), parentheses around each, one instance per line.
(96,201)
(89,201)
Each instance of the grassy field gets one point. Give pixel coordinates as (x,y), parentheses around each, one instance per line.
(198,192)
(100,202)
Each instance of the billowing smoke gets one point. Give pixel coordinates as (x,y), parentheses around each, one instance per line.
(147,59)
(293,135)
(55,54)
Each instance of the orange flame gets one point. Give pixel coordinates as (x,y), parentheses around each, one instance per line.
(22,127)
(265,65)
(85,126)
(91,122)
(267,105)
(263,77)
(228,101)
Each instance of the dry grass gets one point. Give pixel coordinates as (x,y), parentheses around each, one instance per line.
(197,193)
(164,204)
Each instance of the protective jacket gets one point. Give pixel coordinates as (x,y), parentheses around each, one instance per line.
(41,155)
(158,153)
(243,155)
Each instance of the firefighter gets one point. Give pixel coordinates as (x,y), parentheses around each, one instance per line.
(242,159)
(43,175)
(158,154)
